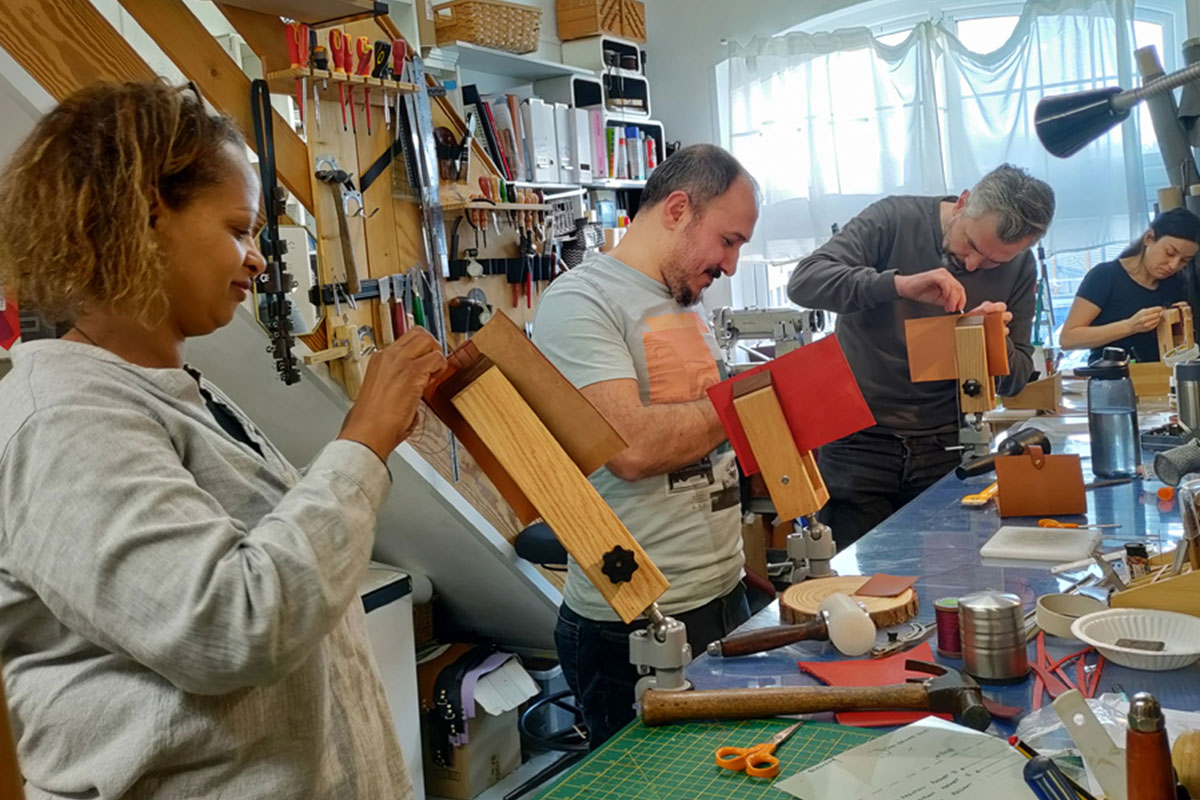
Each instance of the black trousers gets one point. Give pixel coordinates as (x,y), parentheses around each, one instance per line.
(595,657)
(871,475)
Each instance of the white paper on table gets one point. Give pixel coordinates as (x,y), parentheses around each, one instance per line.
(928,760)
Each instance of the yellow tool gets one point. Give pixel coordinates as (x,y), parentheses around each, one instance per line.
(1053,523)
(982,498)
(756,760)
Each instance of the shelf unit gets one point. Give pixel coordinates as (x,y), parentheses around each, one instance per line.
(474,58)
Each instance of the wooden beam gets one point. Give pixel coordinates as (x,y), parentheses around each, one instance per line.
(264,33)
(44,38)
(585,525)
(313,12)
(198,55)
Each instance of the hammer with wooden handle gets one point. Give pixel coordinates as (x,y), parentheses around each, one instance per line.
(947,692)
(839,619)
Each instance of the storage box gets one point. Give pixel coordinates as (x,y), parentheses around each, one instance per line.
(578,19)
(492,752)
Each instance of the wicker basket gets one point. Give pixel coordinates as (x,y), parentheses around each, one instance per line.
(489,23)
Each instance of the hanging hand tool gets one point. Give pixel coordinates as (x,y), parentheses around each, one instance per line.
(337,46)
(948,692)
(320,60)
(447,153)
(274,286)
(382,70)
(399,50)
(297,40)
(464,163)
(486,187)
(337,179)
(366,54)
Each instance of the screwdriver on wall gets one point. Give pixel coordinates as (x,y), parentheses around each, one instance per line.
(366,55)
(297,41)
(336,40)
(320,60)
(380,70)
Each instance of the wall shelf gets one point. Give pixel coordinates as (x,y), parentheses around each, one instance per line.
(484,59)
(283,81)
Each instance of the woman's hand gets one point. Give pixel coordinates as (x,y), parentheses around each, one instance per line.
(1145,320)
(385,412)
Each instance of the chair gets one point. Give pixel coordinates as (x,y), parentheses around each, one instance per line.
(538,545)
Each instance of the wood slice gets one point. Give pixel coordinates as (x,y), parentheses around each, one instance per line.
(800,602)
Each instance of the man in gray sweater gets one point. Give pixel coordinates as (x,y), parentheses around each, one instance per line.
(905,257)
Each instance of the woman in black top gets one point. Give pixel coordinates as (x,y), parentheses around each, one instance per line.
(1119,303)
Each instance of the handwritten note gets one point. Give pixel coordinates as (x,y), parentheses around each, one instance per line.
(927,760)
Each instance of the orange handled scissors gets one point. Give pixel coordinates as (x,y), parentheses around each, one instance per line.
(756,760)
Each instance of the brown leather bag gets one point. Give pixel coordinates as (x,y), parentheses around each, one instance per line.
(1037,485)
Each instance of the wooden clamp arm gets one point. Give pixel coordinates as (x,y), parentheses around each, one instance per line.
(792,478)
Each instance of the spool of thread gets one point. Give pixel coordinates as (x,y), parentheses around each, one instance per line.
(949,643)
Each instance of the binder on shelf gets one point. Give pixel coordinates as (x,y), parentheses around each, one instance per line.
(514,112)
(538,119)
(567,173)
(506,134)
(599,144)
(633,139)
(581,145)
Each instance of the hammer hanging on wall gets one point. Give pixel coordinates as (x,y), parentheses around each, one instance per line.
(336,179)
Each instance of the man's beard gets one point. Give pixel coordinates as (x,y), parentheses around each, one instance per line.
(678,279)
(950,261)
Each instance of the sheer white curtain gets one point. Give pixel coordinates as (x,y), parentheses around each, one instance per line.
(830,122)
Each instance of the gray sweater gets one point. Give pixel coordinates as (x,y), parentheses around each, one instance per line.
(853,275)
(179,615)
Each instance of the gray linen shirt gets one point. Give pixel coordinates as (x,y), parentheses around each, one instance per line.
(853,274)
(178,614)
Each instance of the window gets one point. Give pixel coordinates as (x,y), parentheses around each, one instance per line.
(925,103)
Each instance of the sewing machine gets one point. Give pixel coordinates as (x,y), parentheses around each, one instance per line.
(786,328)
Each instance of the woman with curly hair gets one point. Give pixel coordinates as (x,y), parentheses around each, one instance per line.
(179,613)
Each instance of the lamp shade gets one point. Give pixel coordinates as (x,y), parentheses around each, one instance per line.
(1066,123)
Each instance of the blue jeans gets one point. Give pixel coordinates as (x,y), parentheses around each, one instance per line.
(871,475)
(595,657)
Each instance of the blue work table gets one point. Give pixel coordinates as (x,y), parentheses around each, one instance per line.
(937,538)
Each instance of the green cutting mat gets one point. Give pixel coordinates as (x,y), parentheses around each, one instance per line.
(678,762)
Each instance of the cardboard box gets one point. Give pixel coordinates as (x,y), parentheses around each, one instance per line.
(492,752)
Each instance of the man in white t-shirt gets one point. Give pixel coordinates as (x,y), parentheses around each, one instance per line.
(627,329)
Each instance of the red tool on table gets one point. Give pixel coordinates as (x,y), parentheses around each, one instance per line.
(366,56)
(339,50)
(297,40)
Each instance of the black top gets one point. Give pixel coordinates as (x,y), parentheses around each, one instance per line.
(1119,297)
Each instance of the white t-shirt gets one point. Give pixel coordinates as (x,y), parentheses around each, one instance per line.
(604,321)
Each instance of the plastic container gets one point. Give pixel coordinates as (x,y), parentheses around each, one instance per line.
(1112,416)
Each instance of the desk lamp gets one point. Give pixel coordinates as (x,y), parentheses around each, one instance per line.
(1067,123)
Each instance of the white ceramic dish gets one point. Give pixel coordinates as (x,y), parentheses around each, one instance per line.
(1180,634)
